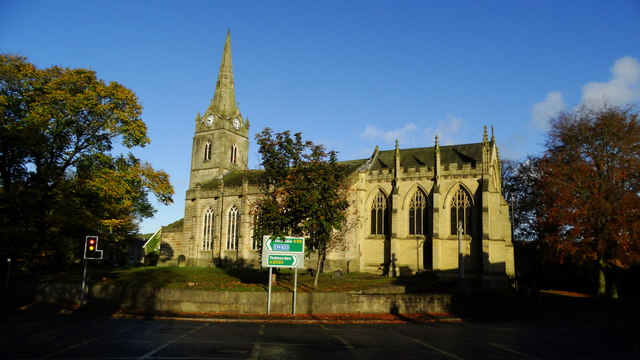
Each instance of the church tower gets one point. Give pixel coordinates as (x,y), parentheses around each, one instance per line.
(221,140)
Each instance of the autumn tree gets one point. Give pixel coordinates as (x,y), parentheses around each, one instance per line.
(588,203)
(305,192)
(59,177)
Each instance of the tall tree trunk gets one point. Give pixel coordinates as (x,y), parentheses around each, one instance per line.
(315,280)
(322,263)
(602,280)
(613,283)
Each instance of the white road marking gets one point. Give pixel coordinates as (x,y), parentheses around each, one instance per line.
(255,350)
(345,343)
(514,351)
(70,347)
(436,349)
(152,352)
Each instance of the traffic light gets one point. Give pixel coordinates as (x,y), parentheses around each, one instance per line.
(91,248)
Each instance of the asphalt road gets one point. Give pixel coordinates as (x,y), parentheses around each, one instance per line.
(49,335)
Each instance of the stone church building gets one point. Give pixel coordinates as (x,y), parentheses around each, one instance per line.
(407,204)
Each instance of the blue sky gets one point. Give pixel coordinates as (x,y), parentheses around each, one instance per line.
(349,74)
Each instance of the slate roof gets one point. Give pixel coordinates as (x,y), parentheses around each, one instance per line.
(416,157)
(425,156)
(235,178)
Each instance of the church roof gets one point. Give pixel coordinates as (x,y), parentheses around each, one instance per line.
(425,156)
(353,165)
(415,157)
(235,178)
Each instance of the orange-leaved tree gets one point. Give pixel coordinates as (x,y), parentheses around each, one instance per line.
(589,188)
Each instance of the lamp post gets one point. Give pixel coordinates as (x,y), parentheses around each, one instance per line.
(460,255)
(221,222)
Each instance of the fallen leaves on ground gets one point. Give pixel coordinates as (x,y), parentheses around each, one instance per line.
(347,318)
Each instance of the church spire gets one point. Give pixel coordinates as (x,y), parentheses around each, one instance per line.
(224,98)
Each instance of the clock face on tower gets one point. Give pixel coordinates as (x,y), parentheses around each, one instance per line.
(210,120)
(236,123)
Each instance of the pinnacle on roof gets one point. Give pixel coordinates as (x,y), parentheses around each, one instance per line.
(485,140)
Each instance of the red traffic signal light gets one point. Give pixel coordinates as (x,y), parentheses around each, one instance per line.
(91,248)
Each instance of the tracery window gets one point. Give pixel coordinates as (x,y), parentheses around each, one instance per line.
(461,212)
(207,236)
(232,228)
(234,154)
(207,151)
(418,214)
(379,214)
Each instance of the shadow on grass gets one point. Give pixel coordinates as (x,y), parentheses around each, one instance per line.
(423,282)
(149,277)
(259,277)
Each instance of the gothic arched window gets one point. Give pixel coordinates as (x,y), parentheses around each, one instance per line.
(418,214)
(207,236)
(207,151)
(234,153)
(232,228)
(379,214)
(461,212)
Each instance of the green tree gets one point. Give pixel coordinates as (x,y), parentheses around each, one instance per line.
(519,178)
(58,177)
(588,204)
(519,186)
(305,192)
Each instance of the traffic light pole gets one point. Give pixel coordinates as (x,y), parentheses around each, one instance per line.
(6,283)
(84,277)
(91,252)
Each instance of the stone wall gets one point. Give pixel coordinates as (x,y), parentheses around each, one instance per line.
(247,302)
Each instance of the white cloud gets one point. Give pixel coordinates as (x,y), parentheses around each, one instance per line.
(405,134)
(622,88)
(371,132)
(541,112)
(448,130)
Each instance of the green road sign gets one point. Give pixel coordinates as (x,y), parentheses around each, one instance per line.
(286,245)
(283,260)
(283,252)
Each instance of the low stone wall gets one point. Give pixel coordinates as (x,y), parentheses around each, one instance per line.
(247,302)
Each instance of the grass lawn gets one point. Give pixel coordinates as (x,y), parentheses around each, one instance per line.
(221,279)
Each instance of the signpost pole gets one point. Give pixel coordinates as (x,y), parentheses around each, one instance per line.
(269,293)
(84,277)
(6,284)
(295,290)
